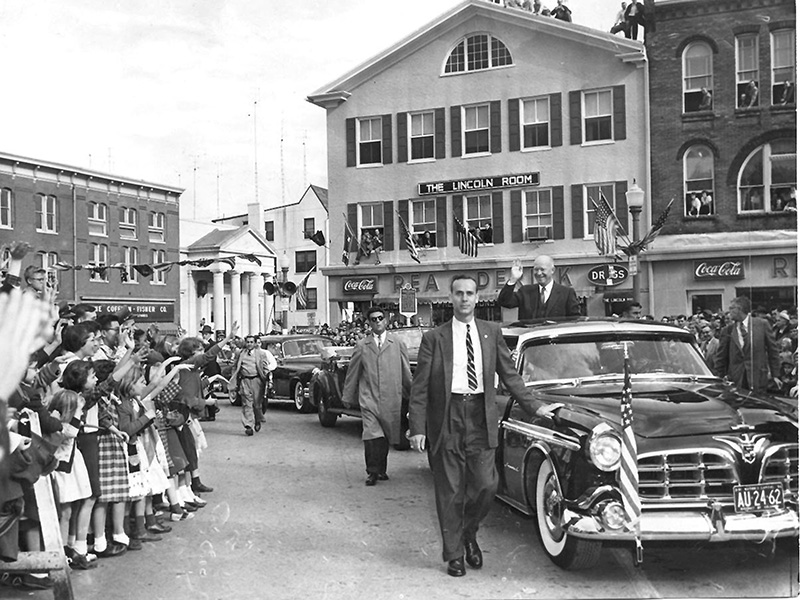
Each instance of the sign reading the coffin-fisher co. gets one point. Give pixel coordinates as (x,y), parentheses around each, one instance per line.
(478,184)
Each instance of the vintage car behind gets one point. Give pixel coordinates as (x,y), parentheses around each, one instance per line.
(328,382)
(714,464)
(298,356)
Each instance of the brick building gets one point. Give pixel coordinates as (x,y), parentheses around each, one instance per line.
(723,122)
(506,120)
(85,218)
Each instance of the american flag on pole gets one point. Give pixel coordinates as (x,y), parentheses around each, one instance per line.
(467,242)
(301,295)
(605,228)
(655,229)
(349,236)
(628,470)
(409,239)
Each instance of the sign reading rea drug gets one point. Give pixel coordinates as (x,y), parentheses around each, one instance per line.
(607,275)
(478,183)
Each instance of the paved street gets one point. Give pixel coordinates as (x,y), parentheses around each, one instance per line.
(291,518)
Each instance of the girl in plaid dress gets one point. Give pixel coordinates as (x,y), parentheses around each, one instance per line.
(114,486)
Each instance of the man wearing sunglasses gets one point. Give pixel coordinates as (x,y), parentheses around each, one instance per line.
(378,379)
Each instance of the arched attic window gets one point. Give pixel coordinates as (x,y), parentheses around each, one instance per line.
(477,52)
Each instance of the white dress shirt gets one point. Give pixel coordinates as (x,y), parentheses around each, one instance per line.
(547,290)
(460,383)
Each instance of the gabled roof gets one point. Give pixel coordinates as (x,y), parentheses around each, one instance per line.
(243,239)
(320,192)
(340,89)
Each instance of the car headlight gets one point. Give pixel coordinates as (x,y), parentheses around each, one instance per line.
(604,448)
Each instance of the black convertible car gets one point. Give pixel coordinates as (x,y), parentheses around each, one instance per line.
(327,383)
(714,464)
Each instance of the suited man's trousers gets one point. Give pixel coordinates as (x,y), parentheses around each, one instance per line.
(464,475)
(251,393)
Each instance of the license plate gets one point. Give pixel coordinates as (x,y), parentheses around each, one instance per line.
(758,497)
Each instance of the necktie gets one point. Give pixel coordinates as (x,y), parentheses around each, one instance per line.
(542,301)
(743,333)
(472,377)
(378,341)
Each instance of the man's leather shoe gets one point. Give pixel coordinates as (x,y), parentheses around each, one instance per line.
(474,554)
(383,477)
(372,479)
(248,431)
(257,426)
(456,568)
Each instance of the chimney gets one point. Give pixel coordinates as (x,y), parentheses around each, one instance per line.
(255,217)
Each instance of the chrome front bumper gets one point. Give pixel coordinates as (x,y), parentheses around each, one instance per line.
(690,525)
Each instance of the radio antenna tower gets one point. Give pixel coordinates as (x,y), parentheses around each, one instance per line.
(255,143)
(283,173)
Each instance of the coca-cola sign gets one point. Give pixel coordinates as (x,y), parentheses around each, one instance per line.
(360,285)
(720,268)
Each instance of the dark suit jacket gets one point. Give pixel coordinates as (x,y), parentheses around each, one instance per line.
(430,391)
(563,301)
(759,359)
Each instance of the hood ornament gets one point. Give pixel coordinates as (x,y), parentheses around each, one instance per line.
(747,444)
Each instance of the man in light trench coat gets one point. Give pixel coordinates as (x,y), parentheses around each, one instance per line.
(378,379)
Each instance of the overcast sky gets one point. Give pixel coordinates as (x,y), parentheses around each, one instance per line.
(164,90)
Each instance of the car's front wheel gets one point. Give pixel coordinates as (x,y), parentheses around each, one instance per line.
(566,551)
(299,396)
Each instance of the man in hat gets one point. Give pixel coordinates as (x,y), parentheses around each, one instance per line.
(378,379)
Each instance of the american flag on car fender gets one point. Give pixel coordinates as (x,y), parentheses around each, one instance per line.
(628,469)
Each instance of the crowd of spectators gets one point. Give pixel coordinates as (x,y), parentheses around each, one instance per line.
(707,325)
(560,11)
(107,410)
(347,333)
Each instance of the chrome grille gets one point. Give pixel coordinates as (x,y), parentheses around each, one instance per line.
(780,464)
(698,475)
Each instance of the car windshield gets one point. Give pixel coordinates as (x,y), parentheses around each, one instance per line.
(581,357)
(305,347)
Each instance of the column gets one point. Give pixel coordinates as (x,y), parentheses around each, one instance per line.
(236,298)
(219,301)
(253,298)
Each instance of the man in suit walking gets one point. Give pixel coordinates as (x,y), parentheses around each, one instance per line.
(249,378)
(453,412)
(378,379)
(546,299)
(747,353)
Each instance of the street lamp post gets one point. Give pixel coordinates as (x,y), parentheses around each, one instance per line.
(635,199)
(284,299)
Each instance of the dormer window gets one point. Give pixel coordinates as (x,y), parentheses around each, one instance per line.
(476,53)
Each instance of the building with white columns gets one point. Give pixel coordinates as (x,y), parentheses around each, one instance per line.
(289,230)
(223,276)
